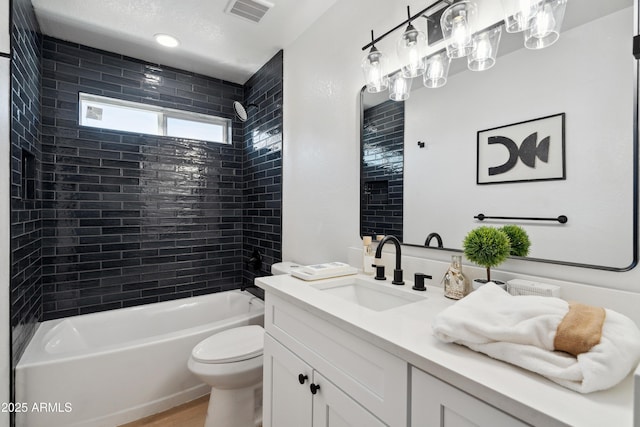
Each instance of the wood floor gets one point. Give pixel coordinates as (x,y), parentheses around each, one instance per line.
(191,414)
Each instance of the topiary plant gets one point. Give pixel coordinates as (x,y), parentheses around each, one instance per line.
(519,240)
(486,246)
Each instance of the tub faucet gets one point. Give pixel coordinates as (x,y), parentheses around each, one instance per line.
(255,262)
(431,236)
(397,273)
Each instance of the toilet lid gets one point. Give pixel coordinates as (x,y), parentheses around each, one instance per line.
(231,345)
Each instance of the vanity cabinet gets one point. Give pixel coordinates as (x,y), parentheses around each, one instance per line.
(300,396)
(435,403)
(287,400)
(355,382)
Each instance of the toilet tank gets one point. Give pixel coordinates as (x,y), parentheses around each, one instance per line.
(284,267)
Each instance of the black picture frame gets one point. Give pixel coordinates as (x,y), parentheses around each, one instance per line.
(531,150)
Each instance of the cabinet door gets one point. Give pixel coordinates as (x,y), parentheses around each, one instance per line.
(333,408)
(435,403)
(286,402)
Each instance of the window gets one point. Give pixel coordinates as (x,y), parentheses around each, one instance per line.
(116,114)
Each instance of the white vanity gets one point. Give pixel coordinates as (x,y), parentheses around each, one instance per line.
(356,352)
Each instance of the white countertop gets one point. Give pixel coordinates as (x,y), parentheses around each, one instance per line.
(405,331)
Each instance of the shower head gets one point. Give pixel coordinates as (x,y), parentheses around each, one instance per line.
(241,111)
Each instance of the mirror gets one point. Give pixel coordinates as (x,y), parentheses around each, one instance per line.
(579,91)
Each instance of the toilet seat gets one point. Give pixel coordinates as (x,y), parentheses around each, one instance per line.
(231,345)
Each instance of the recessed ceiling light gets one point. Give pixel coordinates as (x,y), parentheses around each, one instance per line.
(166,40)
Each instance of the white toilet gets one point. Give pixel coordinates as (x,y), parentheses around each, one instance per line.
(231,363)
(284,267)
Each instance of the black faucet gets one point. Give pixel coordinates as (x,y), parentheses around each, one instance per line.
(397,273)
(431,236)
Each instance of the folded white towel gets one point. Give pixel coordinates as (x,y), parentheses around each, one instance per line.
(521,330)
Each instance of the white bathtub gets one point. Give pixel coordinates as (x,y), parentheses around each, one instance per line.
(109,368)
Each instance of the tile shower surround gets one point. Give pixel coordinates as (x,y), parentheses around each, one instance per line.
(26,214)
(382,170)
(131,219)
(262,166)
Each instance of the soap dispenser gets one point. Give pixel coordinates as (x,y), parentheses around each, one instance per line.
(367,255)
(456,285)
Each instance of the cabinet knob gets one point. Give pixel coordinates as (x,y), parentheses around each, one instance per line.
(314,388)
(302,378)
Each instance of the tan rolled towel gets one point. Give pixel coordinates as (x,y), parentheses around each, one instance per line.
(580,329)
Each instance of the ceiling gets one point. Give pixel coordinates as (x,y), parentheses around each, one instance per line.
(212,42)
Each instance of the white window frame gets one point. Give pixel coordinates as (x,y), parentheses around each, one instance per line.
(163,114)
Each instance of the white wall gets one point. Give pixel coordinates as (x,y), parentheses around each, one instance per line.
(5,153)
(322,80)
(5,323)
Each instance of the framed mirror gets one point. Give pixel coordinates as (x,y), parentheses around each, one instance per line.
(425,160)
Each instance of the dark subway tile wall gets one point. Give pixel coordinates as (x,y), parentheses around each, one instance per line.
(262,164)
(382,170)
(131,219)
(26,215)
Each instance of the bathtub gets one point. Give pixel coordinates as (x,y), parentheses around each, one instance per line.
(110,368)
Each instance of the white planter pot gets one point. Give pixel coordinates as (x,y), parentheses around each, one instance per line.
(479,282)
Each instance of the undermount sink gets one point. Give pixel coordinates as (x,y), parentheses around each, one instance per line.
(365,293)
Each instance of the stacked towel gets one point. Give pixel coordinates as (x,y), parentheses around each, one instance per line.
(524,331)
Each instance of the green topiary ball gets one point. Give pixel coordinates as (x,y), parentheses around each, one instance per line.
(519,239)
(486,246)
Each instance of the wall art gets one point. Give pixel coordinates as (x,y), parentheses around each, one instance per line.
(533,150)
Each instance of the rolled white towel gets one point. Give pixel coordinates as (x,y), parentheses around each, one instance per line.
(521,330)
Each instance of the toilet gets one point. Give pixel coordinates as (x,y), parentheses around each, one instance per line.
(284,267)
(231,363)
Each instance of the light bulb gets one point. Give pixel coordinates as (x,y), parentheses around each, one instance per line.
(375,76)
(410,49)
(437,70)
(414,61)
(399,87)
(460,33)
(543,22)
(483,47)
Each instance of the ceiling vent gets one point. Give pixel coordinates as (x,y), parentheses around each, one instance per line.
(251,10)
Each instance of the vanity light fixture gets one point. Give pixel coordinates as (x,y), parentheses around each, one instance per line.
(374,67)
(411,50)
(545,24)
(166,40)
(458,23)
(539,20)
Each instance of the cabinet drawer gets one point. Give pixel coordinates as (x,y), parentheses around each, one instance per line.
(374,378)
(435,403)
